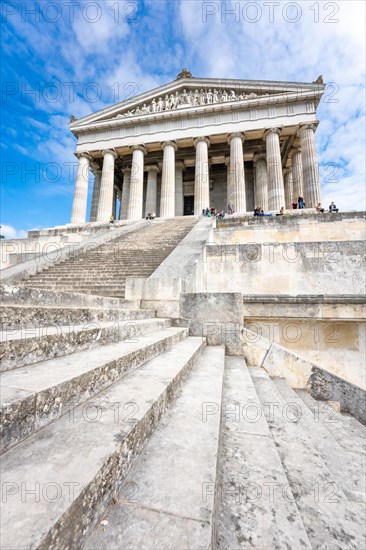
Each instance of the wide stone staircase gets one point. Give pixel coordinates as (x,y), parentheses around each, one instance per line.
(103,270)
(120,431)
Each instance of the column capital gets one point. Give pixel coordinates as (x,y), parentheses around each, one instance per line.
(139,148)
(172,143)
(294,152)
(83,156)
(179,164)
(307,127)
(240,135)
(105,151)
(197,140)
(152,168)
(259,156)
(272,131)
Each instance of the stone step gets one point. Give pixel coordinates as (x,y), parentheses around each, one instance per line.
(253,509)
(168,508)
(330,519)
(114,293)
(101,270)
(87,278)
(86,282)
(348,467)
(77,462)
(34,396)
(77,287)
(108,262)
(25,346)
(347,431)
(28,316)
(21,295)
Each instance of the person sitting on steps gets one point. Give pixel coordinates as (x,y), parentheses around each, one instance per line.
(332,207)
(319,208)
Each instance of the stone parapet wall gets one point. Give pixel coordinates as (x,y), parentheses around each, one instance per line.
(42,242)
(309,268)
(39,261)
(294,226)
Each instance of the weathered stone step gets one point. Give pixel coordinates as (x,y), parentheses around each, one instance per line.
(105,265)
(253,508)
(77,287)
(169,508)
(34,396)
(97,278)
(347,431)
(330,520)
(84,283)
(22,295)
(348,467)
(27,316)
(25,346)
(77,462)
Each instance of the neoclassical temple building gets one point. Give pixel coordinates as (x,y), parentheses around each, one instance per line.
(197,143)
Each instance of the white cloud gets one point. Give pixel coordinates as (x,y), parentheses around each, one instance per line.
(330,41)
(9,232)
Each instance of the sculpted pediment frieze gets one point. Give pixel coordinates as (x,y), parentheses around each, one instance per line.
(187,98)
(187,93)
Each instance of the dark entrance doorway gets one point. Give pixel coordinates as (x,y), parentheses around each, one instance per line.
(189,205)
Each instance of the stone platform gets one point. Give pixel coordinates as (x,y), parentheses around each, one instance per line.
(155,393)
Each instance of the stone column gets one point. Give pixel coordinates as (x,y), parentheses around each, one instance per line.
(276,193)
(134,211)
(289,191)
(167,200)
(119,195)
(310,166)
(228,181)
(78,213)
(114,203)
(96,191)
(152,187)
(201,179)
(237,181)
(125,193)
(297,182)
(105,206)
(179,201)
(260,181)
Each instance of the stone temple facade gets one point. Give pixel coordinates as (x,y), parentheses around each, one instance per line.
(197,143)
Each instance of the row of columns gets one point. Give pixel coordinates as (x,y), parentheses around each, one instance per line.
(273,188)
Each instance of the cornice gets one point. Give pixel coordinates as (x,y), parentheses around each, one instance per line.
(261,86)
(193,111)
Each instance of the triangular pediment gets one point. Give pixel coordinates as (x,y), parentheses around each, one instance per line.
(193,93)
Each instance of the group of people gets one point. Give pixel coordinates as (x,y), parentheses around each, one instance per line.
(213,213)
(332,208)
(258,210)
(299,204)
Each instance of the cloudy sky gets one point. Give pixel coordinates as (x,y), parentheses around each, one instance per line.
(65,57)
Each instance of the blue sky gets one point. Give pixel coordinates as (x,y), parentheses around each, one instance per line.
(64,57)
